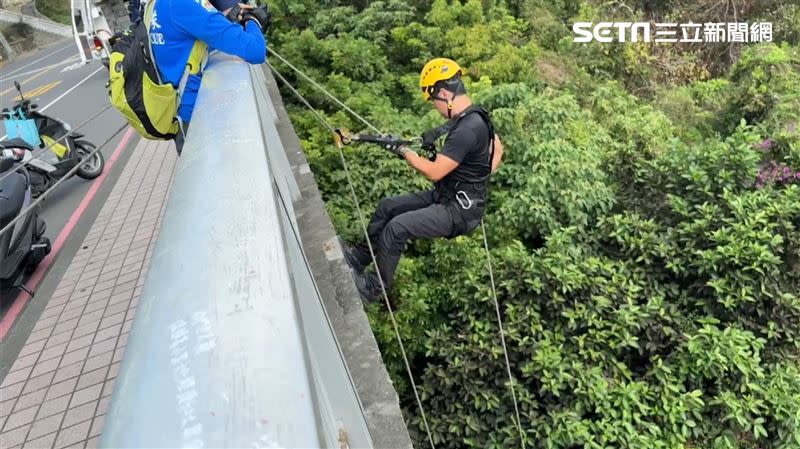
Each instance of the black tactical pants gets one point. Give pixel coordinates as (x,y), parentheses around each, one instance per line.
(134,10)
(180,137)
(416,215)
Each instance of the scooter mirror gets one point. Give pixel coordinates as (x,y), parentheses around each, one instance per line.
(19,89)
(34,106)
(6,164)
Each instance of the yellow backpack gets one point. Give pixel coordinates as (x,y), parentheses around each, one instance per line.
(134,84)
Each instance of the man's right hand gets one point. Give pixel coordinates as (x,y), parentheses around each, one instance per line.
(237,12)
(394,146)
(260,15)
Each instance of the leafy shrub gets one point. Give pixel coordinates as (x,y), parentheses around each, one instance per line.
(56,10)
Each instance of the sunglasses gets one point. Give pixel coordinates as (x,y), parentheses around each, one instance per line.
(431,97)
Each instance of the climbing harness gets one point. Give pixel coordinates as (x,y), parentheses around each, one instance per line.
(343,137)
(463,200)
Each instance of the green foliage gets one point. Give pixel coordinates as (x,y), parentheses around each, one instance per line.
(555,171)
(695,109)
(767,92)
(767,85)
(57,10)
(649,286)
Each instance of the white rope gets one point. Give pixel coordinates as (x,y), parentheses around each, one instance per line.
(323,90)
(511,380)
(66,176)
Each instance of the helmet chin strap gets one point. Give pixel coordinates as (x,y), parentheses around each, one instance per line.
(449,104)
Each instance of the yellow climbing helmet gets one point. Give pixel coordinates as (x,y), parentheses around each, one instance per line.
(437,69)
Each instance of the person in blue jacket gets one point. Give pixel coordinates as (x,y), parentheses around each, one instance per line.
(222,24)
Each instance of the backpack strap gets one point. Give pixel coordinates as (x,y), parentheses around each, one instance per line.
(148,19)
(484,114)
(197,61)
(197,57)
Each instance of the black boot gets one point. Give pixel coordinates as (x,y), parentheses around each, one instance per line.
(368,286)
(350,256)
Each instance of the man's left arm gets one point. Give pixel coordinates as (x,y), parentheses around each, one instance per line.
(443,165)
(211,27)
(458,142)
(498,153)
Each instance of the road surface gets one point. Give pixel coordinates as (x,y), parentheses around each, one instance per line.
(53,79)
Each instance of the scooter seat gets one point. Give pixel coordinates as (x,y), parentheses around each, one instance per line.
(12,195)
(15,143)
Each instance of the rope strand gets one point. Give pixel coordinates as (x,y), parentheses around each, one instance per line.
(511,380)
(323,90)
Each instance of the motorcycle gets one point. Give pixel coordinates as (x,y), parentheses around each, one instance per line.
(24,246)
(42,131)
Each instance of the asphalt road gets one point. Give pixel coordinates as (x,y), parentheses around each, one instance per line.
(32,61)
(73,93)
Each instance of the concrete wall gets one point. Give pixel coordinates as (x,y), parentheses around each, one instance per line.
(12,3)
(37,23)
(22,38)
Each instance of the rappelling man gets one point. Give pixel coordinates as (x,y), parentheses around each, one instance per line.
(460,173)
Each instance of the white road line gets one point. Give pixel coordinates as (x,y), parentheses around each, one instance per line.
(47,67)
(14,72)
(72,66)
(71,88)
(64,94)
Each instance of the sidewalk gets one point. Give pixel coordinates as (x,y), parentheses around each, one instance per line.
(57,392)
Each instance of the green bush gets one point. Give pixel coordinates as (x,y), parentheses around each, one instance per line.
(57,10)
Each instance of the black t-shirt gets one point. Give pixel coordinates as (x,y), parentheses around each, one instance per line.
(468,144)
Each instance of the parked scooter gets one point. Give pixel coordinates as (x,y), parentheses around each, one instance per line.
(23,246)
(39,130)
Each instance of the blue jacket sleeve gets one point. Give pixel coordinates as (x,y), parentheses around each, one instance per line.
(211,27)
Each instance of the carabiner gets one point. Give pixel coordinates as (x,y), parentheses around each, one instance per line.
(342,137)
(462,198)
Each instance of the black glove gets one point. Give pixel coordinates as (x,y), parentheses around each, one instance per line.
(396,146)
(233,14)
(429,139)
(261,15)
